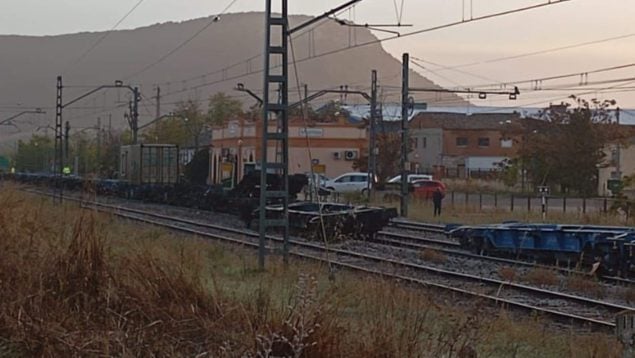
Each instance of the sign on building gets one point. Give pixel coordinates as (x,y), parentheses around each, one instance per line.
(319,168)
(311,132)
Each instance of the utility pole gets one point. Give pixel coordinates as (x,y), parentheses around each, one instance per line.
(618,159)
(277,33)
(57,161)
(99,145)
(158,110)
(404,133)
(408,104)
(135,115)
(372,154)
(67,131)
(276,111)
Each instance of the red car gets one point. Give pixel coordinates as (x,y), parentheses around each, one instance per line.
(423,189)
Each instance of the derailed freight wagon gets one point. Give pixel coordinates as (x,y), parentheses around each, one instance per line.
(336,221)
(149,164)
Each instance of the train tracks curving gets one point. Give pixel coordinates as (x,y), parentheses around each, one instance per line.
(560,306)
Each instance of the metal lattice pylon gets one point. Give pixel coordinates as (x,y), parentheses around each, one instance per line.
(275,132)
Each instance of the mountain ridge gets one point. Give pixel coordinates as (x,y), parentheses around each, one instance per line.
(30,64)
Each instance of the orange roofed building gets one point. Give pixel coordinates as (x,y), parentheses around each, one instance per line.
(330,147)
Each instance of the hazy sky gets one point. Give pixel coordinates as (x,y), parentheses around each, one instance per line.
(568,23)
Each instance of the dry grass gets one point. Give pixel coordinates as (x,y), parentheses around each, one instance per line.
(507,273)
(434,256)
(541,277)
(96,287)
(585,284)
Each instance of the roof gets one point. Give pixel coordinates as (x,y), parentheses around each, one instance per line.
(392,112)
(497,121)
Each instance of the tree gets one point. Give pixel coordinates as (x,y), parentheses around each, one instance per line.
(36,155)
(222,107)
(331,111)
(389,147)
(193,118)
(171,130)
(566,148)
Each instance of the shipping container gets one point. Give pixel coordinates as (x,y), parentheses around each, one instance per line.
(149,164)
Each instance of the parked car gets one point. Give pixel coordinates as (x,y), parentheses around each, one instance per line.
(423,189)
(411,178)
(349,183)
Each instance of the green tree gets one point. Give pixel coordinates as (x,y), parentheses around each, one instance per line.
(36,155)
(184,128)
(566,148)
(222,108)
(171,130)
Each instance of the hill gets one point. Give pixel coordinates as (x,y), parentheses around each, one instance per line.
(29,66)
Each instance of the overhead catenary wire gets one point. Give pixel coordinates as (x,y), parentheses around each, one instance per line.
(103,37)
(377,41)
(539,52)
(183,43)
(560,76)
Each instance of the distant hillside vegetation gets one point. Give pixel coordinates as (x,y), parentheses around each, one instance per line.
(29,66)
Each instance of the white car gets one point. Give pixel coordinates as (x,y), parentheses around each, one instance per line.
(411,178)
(349,183)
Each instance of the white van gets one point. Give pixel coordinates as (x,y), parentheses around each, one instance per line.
(411,178)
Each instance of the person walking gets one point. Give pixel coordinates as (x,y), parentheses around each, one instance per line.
(437,198)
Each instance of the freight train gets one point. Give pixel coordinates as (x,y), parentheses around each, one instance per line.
(611,249)
(151,173)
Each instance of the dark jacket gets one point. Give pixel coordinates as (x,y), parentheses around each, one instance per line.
(437,196)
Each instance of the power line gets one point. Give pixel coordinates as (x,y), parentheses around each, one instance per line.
(415,59)
(377,41)
(246,61)
(182,44)
(103,36)
(539,52)
(583,74)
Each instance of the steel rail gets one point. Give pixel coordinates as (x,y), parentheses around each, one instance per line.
(401,240)
(499,283)
(174,221)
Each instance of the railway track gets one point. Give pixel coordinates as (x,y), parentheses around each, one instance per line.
(560,306)
(422,242)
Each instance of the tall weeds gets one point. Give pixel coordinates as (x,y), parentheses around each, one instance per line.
(74,283)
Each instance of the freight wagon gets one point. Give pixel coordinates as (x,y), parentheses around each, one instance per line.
(142,164)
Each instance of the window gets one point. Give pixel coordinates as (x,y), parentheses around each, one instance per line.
(483,142)
(461,141)
(360,179)
(344,179)
(416,142)
(424,143)
(506,143)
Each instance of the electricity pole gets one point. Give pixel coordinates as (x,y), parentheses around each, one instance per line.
(407,107)
(403,198)
(618,159)
(372,153)
(158,110)
(99,145)
(277,33)
(67,131)
(57,161)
